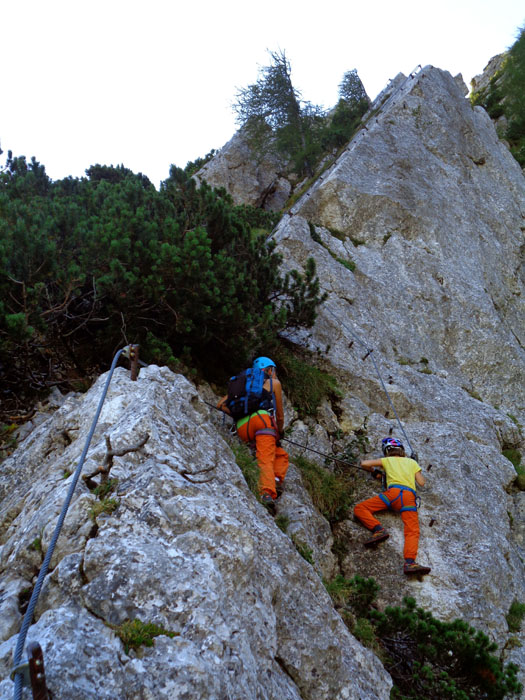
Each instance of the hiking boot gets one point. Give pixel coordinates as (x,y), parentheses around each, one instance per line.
(415,568)
(377,536)
(268,502)
(279,487)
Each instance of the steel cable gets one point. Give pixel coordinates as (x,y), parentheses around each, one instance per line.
(369,352)
(45,565)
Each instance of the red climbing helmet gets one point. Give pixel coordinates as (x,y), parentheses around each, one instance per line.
(391,442)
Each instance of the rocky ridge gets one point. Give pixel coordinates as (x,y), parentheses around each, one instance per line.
(188,548)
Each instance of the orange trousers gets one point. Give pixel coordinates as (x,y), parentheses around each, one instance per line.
(364,513)
(272,460)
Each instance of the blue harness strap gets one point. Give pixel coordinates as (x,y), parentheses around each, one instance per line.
(403,508)
(266,431)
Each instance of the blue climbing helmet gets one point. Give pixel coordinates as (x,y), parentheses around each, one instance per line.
(390,442)
(263,363)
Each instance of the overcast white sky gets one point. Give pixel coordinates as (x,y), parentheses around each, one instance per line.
(151,83)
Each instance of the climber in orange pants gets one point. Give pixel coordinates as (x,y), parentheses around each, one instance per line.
(402,474)
(398,499)
(272,460)
(264,427)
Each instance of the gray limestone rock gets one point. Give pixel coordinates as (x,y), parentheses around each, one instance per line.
(430,207)
(249,179)
(188,548)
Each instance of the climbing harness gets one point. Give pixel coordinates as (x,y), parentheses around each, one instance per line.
(389,504)
(19,674)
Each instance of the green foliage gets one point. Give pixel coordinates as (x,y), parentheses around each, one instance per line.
(306,385)
(441,659)
(515,616)
(105,505)
(90,264)
(247,464)
(271,112)
(282,521)
(8,441)
(514,105)
(193,166)
(357,592)
(351,89)
(332,493)
(427,659)
(275,118)
(36,544)
(349,264)
(304,550)
(135,633)
(105,488)
(505,95)
(514,456)
(364,631)
(342,122)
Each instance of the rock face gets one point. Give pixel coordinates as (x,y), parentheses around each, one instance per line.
(482,81)
(417,232)
(249,180)
(188,548)
(431,208)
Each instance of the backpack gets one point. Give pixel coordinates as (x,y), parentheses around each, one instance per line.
(245,393)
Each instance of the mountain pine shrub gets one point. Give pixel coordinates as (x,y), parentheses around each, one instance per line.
(428,659)
(505,95)
(89,265)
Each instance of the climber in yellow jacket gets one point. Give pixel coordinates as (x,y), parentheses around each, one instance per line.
(402,475)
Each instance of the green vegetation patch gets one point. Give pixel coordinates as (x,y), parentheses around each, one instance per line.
(105,488)
(514,456)
(8,441)
(427,658)
(515,616)
(89,265)
(305,384)
(349,264)
(106,505)
(275,119)
(505,96)
(247,464)
(135,633)
(304,550)
(332,493)
(358,593)
(282,521)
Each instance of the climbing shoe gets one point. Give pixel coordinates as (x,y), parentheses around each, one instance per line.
(268,502)
(415,568)
(279,487)
(377,536)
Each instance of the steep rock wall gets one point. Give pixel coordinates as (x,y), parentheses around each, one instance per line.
(430,208)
